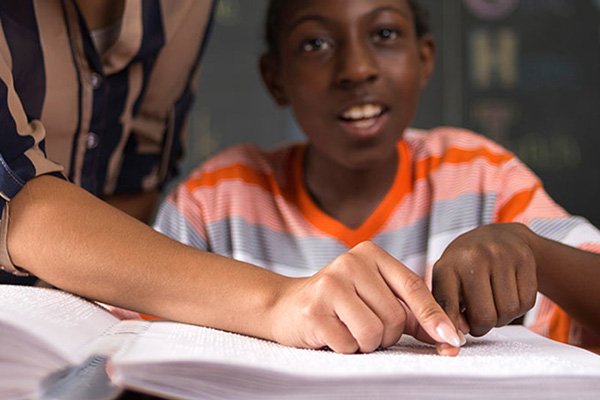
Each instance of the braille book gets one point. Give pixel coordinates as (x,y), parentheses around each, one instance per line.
(56,345)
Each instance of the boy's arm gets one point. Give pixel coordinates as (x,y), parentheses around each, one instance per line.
(570,277)
(78,243)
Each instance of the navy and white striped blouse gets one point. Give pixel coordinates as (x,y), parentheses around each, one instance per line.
(110,122)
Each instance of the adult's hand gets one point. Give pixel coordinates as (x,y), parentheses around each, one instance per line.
(365,299)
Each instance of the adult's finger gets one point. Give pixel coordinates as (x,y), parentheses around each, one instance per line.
(376,294)
(363,324)
(444,349)
(335,335)
(411,288)
(415,330)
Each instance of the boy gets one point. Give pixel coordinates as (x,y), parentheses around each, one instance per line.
(453,206)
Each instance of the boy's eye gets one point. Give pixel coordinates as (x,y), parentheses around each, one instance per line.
(386,34)
(312,45)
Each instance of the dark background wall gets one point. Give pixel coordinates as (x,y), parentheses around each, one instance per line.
(524,72)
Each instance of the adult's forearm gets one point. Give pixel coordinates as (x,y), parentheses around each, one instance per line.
(78,243)
(571,278)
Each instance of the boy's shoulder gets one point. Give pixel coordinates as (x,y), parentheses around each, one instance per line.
(244,159)
(439,141)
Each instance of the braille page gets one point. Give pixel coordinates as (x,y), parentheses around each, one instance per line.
(192,358)
(52,322)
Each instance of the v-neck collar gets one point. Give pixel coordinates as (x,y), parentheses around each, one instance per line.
(129,40)
(374,222)
(126,45)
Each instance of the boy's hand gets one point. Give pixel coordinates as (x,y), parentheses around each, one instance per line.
(353,305)
(488,276)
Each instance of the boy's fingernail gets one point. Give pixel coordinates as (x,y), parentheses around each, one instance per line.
(448,334)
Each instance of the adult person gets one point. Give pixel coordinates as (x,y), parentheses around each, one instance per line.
(98,92)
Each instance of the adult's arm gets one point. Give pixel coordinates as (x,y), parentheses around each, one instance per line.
(78,243)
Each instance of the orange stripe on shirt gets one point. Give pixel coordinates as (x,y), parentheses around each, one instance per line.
(148,317)
(517,204)
(559,326)
(235,172)
(456,156)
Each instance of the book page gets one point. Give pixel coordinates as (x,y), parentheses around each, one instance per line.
(177,360)
(59,323)
(505,352)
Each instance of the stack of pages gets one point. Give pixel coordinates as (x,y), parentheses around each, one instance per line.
(61,346)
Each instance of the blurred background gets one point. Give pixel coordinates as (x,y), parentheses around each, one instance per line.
(524,72)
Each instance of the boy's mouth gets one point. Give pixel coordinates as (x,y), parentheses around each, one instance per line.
(363,117)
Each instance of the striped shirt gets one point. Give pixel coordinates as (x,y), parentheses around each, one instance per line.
(110,122)
(252,205)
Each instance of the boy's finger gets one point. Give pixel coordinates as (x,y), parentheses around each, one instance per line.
(411,288)
(479,301)
(506,297)
(446,291)
(527,287)
(463,326)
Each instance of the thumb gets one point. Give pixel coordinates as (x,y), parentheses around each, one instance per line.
(414,329)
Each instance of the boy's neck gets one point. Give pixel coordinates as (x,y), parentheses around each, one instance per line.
(349,196)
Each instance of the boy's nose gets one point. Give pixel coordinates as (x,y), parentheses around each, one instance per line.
(356,65)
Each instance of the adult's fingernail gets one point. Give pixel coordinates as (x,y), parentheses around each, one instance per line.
(448,334)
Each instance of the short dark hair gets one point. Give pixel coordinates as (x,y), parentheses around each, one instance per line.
(276,7)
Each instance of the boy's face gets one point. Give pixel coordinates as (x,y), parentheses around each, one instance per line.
(352,71)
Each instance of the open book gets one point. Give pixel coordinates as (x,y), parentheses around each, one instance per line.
(56,345)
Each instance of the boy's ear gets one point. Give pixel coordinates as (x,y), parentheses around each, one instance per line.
(269,70)
(427,55)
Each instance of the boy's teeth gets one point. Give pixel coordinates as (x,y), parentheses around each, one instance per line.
(364,111)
